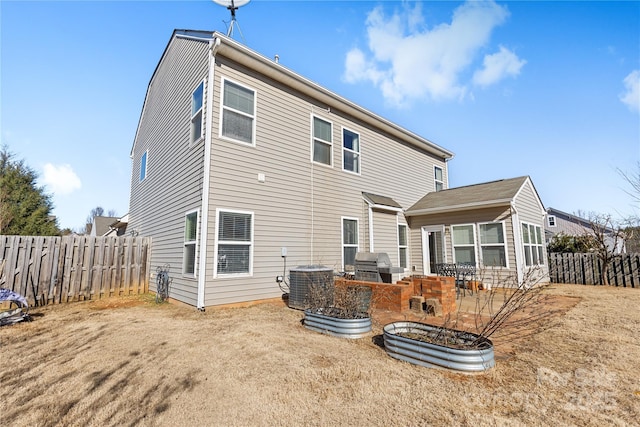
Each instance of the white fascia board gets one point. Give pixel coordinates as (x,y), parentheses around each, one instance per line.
(385,207)
(465,207)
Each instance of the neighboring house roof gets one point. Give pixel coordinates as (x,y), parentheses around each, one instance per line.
(101,225)
(485,195)
(118,227)
(573,218)
(231,49)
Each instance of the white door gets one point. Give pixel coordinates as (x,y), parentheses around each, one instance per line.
(432,248)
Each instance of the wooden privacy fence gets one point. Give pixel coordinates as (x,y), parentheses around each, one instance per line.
(52,270)
(586,269)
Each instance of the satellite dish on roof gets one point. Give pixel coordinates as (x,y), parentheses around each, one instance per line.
(232,5)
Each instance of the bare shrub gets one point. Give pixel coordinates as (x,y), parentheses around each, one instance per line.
(345,302)
(510,309)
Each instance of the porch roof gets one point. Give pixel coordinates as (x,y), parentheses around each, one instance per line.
(381,201)
(485,195)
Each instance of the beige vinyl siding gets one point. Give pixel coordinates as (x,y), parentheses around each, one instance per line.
(531,211)
(300,204)
(173,185)
(385,226)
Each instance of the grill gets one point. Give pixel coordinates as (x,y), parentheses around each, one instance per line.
(375,267)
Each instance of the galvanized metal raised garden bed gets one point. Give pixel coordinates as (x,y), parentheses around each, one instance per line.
(403,341)
(318,321)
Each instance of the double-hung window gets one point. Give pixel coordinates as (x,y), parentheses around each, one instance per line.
(438,178)
(533,244)
(322,142)
(234,249)
(464,244)
(492,244)
(190,243)
(238,112)
(349,243)
(196,113)
(402,245)
(350,151)
(143,165)
(551,220)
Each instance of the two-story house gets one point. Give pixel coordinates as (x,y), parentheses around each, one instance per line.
(242,168)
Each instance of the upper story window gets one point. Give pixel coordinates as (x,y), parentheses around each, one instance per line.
(402,245)
(533,244)
(234,244)
(349,243)
(464,243)
(322,142)
(551,220)
(190,236)
(492,244)
(238,112)
(196,112)
(438,178)
(143,166)
(350,151)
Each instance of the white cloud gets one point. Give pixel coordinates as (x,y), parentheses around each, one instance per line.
(408,61)
(631,96)
(61,179)
(498,66)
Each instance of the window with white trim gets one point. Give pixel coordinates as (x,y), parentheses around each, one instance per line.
(322,141)
(190,243)
(402,245)
(196,113)
(143,166)
(493,246)
(533,244)
(464,243)
(350,151)
(234,247)
(349,243)
(238,112)
(438,178)
(551,220)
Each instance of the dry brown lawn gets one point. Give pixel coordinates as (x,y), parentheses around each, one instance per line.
(128,361)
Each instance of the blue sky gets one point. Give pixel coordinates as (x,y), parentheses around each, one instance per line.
(545,89)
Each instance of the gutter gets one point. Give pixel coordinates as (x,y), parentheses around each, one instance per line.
(214,44)
(275,70)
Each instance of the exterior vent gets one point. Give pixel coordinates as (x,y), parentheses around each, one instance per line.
(300,280)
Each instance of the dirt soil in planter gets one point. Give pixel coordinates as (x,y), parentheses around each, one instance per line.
(128,361)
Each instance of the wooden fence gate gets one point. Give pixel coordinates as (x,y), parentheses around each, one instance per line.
(586,269)
(52,270)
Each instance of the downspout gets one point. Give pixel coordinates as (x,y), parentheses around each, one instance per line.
(371,248)
(206,179)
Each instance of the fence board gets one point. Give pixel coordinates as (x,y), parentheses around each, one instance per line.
(586,269)
(50,270)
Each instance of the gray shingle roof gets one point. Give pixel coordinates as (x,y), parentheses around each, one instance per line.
(495,193)
(381,200)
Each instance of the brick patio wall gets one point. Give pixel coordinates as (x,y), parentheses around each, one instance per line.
(397,296)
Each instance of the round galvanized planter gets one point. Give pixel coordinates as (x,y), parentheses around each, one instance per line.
(344,328)
(434,355)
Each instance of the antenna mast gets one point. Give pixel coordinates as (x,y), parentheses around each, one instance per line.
(232,6)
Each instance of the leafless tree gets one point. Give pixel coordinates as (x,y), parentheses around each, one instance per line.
(609,238)
(633,179)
